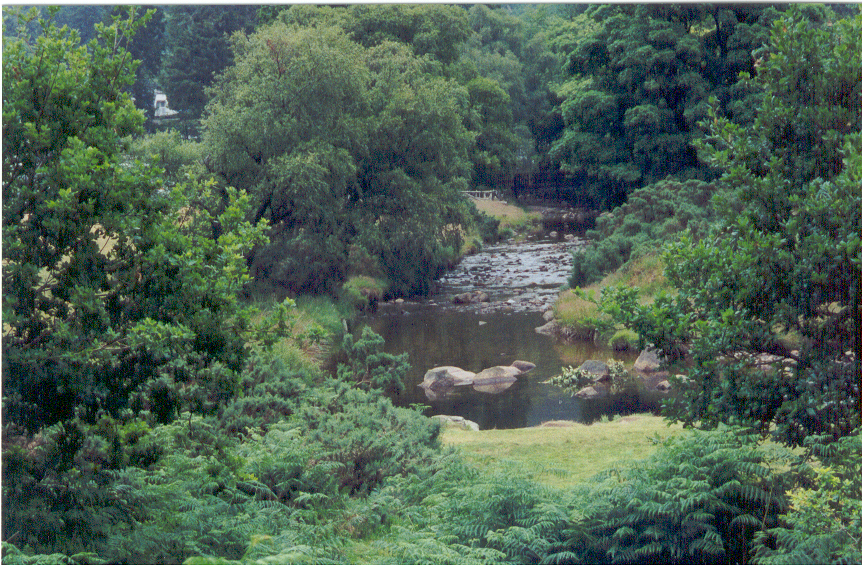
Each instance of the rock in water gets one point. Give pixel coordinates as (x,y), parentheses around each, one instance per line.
(447,376)
(648,361)
(599,370)
(523,366)
(496,379)
(592,392)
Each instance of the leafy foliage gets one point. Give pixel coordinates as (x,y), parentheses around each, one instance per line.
(109,280)
(639,84)
(337,421)
(370,184)
(573,379)
(651,217)
(196,49)
(699,499)
(824,521)
(783,259)
(369,366)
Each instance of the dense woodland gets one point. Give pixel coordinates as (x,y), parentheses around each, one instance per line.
(174,289)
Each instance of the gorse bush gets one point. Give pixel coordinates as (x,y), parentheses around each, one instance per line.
(337,421)
(651,217)
(369,366)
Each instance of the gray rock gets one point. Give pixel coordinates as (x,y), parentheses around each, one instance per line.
(599,370)
(663,386)
(551,329)
(497,373)
(444,377)
(592,392)
(548,316)
(648,361)
(470,298)
(460,422)
(523,366)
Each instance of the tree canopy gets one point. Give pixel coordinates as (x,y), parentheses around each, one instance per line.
(783,265)
(111,281)
(355,155)
(639,85)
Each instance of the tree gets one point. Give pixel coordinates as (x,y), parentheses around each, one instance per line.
(147,47)
(355,156)
(197,48)
(111,283)
(769,301)
(639,85)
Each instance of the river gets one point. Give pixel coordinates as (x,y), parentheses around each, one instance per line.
(521,281)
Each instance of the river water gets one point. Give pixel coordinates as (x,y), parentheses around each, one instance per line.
(521,282)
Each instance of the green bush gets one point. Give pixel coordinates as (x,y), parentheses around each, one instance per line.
(699,499)
(823,524)
(573,379)
(361,430)
(268,393)
(367,365)
(364,292)
(652,216)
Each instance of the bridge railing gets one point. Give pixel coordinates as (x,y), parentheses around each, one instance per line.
(484,194)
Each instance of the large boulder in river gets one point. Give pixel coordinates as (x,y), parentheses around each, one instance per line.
(496,379)
(445,377)
(648,361)
(523,366)
(599,370)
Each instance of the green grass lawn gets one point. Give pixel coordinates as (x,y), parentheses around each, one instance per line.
(562,454)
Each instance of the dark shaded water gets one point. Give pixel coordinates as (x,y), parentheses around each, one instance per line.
(434,335)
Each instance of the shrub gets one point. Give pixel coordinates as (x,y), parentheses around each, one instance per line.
(364,292)
(651,216)
(823,524)
(623,340)
(574,379)
(366,434)
(699,499)
(369,366)
(268,393)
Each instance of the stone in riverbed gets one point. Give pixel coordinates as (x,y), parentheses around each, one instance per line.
(592,392)
(599,370)
(648,361)
(523,366)
(496,379)
(470,298)
(445,377)
(550,329)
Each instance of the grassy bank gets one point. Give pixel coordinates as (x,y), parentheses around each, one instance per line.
(582,318)
(514,220)
(562,454)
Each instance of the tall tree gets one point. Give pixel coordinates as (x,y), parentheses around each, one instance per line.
(639,86)
(197,48)
(342,147)
(771,300)
(110,283)
(147,47)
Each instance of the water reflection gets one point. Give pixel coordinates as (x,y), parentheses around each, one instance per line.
(435,336)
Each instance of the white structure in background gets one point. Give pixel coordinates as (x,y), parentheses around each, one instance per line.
(161,105)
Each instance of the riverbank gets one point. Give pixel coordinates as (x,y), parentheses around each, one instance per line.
(562,454)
